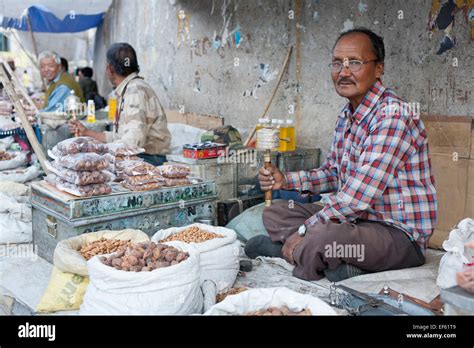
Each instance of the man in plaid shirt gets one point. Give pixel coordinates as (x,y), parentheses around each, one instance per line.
(383,208)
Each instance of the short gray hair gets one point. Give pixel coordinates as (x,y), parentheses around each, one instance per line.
(50,54)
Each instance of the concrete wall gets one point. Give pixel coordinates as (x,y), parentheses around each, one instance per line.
(173,60)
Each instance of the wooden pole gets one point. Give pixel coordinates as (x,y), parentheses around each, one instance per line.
(19,86)
(35,48)
(285,65)
(30,133)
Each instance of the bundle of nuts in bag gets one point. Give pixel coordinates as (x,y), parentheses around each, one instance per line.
(118,153)
(174,174)
(174,171)
(102,246)
(140,176)
(144,257)
(274,311)
(192,234)
(80,168)
(77,190)
(80,145)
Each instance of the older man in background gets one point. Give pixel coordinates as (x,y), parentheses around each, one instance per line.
(60,83)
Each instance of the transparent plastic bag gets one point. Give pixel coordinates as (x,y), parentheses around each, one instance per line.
(465,278)
(82,177)
(136,180)
(174,171)
(84,161)
(145,187)
(76,190)
(81,145)
(132,168)
(122,150)
(114,160)
(176,182)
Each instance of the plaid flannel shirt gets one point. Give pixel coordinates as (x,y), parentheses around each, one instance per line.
(378,167)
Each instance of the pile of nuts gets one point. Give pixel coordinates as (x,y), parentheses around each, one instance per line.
(5,156)
(192,234)
(144,257)
(102,246)
(274,311)
(231,291)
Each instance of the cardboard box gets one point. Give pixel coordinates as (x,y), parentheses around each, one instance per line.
(451,145)
(196,120)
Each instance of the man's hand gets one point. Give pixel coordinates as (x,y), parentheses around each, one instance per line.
(271,179)
(76,127)
(290,245)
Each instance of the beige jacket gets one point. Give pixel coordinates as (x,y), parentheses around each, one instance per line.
(142,120)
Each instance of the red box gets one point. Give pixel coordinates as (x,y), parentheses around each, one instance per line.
(203,153)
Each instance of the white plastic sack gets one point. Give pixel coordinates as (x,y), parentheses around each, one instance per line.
(17,161)
(457,254)
(5,143)
(254,300)
(20,175)
(171,290)
(15,220)
(14,189)
(67,257)
(182,134)
(219,256)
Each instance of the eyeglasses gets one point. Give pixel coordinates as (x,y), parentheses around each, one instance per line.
(353,65)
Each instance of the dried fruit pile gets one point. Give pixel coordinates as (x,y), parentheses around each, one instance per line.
(144,257)
(274,311)
(192,234)
(102,246)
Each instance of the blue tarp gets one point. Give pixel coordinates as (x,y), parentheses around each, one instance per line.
(44,21)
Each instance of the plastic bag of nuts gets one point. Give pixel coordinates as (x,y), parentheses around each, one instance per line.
(138,168)
(192,234)
(81,178)
(137,180)
(122,150)
(79,145)
(83,161)
(174,171)
(76,190)
(144,257)
(143,187)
